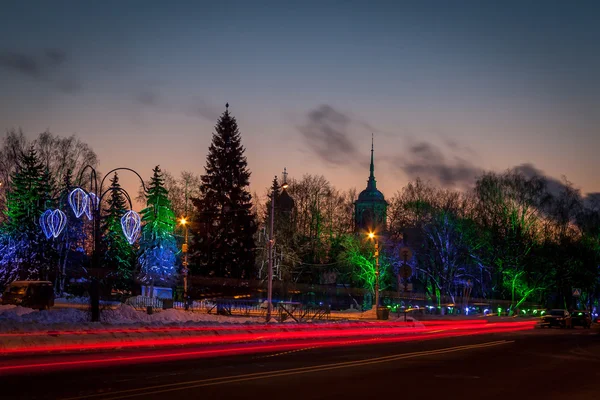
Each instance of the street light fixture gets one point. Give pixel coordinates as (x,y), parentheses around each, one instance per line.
(372,236)
(184,249)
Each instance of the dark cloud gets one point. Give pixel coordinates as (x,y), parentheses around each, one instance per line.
(592,200)
(327,133)
(553,185)
(69,86)
(56,56)
(43,68)
(194,108)
(202,109)
(147,98)
(21,63)
(426,161)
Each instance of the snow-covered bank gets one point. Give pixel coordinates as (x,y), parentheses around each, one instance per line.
(20,319)
(68,329)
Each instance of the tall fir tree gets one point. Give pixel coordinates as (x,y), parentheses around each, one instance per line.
(118,254)
(29,196)
(26,200)
(158,247)
(224,232)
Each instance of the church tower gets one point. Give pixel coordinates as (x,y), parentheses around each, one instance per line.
(370,210)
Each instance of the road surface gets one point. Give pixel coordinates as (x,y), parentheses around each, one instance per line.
(538,363)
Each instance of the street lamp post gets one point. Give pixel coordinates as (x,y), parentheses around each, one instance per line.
(184,249)
(372,236)
(88,203)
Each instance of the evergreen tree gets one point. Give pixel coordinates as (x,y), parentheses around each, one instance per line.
(117,252)
(158,247)
(224,234)
(26,199)
(29,196)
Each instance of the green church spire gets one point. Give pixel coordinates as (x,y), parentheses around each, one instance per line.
(372,185)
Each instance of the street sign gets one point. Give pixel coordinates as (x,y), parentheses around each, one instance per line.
(405,254)
(576,292)
(405,271)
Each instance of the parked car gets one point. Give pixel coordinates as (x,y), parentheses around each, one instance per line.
(561,318)
(581,318)
(32,294)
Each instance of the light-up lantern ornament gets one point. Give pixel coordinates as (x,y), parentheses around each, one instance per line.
(58,221)
(91,205)
(78,200)
(53,222)
(131,224)
(44,223)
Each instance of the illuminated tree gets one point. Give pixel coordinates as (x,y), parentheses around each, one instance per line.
(158,247)
(508,207)
(117,252)
(357,263)
(29,196)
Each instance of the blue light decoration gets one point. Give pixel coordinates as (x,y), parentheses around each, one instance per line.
(78,200)
(44,223)
(53,222)
(91,205)
(131,224)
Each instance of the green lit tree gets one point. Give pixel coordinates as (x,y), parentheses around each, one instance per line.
(158,247)
(225,223)
(358,265)
(508,207)
(118,254)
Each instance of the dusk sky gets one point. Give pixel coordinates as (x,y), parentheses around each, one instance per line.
(449,88)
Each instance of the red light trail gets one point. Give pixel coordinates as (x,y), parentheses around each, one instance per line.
(229,345)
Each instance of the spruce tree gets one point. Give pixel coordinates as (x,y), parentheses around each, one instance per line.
(26,200)
(29,196)
(224,234)
(118,254)
(158,247)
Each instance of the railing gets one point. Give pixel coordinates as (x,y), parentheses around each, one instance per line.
(237,307)
(143,302)
(300,312)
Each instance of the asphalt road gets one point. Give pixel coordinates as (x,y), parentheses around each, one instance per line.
(540,363)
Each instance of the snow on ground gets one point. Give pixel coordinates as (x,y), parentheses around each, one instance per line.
(17,318)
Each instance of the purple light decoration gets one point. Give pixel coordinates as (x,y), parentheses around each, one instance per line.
(44,223)
(78,200)
(91,205)
(53,222)
(131,224)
